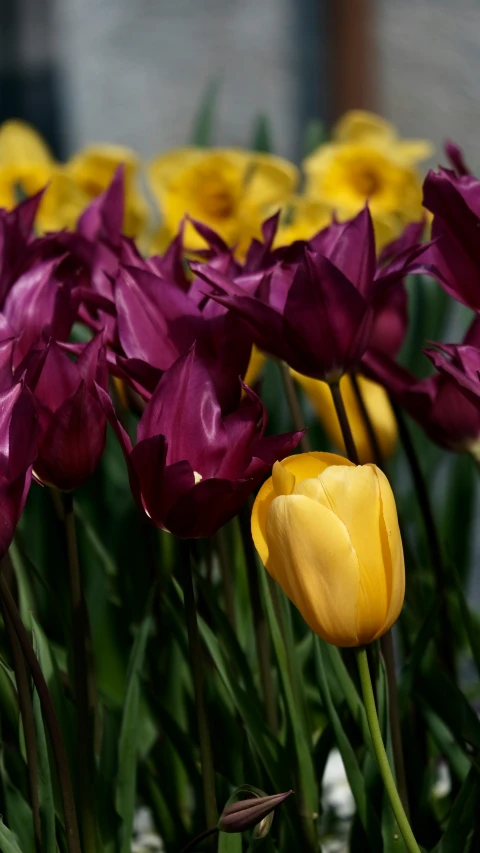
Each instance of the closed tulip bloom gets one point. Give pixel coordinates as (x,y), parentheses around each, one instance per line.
(327,531)
(378,407)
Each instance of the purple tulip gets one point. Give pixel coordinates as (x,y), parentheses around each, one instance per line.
(200,449)
(248,813)
(454,255)
(158,321)
(318,313)
(18,436)
(444,404)
(457,162)
(71,420)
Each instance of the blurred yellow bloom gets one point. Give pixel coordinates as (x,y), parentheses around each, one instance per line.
(362,126)
(300,219)
(328,532)
(257,360)
(26,163)
(366,161)
(231,191)
(94,166)
(377,405)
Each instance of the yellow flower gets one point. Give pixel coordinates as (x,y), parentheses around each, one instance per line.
(25,162)
(93,168)
(366,161)
(328,532)
(378,407)
(301,218)
(360,126)
(228,190)
(257,360)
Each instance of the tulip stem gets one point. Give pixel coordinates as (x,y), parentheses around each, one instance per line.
(199,838)
(197,666)
(344,423)
(28,724)
(386,642)
(434,547)
(371,431)
(380,753)
(50,717)
(260,625)
(294,405)
(84,683)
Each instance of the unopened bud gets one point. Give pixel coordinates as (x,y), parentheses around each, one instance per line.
(245,814)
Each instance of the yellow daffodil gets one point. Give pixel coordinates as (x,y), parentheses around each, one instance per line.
(230,191)
(366,161)
(26,162)
(327,531)
(300,219)
(363,126)
(93,167)
(378,407)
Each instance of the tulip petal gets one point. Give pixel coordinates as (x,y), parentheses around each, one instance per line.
(353,494)
(392,543)
(312,557)
(302,466)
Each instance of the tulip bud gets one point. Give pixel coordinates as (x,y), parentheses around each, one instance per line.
(245,814)
(377,405)
(327,531)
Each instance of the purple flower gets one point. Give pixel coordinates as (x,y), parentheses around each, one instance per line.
(18,450)
(317,313)
(454,255)
(200,449)
(444,404)
(72,423)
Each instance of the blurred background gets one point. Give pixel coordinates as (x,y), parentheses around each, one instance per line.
(135,72)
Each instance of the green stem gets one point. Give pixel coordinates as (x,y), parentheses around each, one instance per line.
(380,753)
(28,724)
(386,642)
(260,625)
(83,677)
(196,841)
(197,665)
(377,454)
(436,558)
(294,405)
(344,423)
(50,717)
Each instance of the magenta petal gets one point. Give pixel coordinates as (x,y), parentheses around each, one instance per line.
(186,396)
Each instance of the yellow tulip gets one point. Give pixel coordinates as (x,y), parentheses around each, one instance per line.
(327,532)
(377,405)
(230,191)
(93,168)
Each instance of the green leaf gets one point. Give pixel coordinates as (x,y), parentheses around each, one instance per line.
(262,135)
(462,818)
(302,738)
(54,683)
(459,512)
(447,700)
(8,842)
(8,694)
(45,788)
(230,842)
(201,133)
(129,743)
(367,816)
